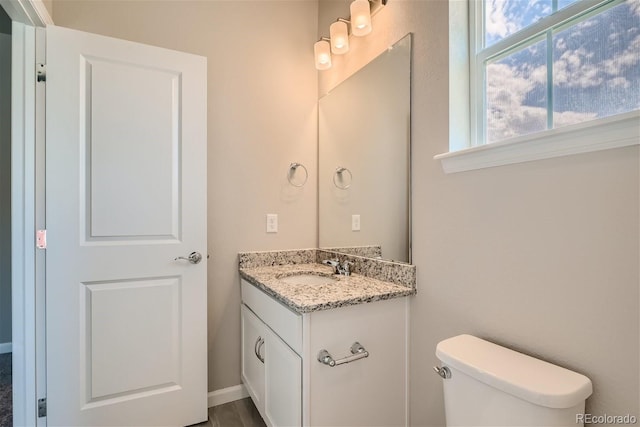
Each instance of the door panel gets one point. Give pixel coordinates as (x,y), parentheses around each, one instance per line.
(117,142)
(132,337)
(125,196)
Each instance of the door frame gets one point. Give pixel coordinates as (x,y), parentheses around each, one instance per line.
(29,17)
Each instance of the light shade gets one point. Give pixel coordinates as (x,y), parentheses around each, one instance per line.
(339,33)
(322,52)
(360,18)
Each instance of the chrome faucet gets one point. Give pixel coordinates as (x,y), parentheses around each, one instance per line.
(334,263)
(343,269)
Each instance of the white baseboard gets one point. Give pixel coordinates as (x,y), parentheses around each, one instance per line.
(5,347)
(226,395)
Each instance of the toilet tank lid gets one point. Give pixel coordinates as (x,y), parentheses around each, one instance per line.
(526,377)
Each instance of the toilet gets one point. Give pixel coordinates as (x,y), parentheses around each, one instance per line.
(489,385)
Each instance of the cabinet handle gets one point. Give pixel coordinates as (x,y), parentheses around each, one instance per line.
(256,348)
(357,352)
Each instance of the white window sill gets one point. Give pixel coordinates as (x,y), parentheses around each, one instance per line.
(611,132)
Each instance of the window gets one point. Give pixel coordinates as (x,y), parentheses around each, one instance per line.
(544,69)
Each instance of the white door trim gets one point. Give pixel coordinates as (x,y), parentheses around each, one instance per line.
(26,16)
(23,224)
(28,12)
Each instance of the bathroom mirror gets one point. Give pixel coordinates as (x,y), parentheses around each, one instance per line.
(364,159)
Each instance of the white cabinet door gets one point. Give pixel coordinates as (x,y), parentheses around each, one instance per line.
(272,373)
(283,383)
(125,195)
(252,350)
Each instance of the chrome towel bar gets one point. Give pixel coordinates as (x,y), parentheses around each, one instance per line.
(357,352)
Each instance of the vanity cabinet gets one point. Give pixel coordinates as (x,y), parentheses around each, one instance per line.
(293,388)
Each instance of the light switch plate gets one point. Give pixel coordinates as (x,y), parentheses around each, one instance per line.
(272,223)
(355,222)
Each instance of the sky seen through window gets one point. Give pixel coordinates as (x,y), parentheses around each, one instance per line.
(595,68)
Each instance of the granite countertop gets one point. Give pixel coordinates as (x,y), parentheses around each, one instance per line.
(347,290)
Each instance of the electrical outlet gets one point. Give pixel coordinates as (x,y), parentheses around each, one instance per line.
(272,223)
(355,222)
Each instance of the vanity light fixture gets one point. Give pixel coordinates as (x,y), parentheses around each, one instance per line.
(338,44)
(339,33)
(322,52)
(360,18)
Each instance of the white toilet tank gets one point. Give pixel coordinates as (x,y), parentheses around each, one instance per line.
(493,386)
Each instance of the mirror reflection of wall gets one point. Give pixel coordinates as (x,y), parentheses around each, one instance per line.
(364,127)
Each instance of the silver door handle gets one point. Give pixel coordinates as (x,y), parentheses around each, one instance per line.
(193,258)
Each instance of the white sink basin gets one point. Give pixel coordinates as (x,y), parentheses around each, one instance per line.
(308,279)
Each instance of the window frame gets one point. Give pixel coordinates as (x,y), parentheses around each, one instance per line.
(467,148)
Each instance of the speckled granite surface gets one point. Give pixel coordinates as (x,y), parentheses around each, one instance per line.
(270,258)
(373,251)
(346,290)
(388,271)
(371,280)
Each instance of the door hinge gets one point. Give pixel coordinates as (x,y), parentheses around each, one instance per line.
(42,407)
(41,239)
(41,72)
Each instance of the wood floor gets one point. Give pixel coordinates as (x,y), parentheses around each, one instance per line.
(241,413)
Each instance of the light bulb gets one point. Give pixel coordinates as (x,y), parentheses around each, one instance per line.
(360,18)
(339,38)
(322,52)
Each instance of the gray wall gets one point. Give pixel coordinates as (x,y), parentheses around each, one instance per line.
(5,178)
(541,257)
(262,88)
(5,22)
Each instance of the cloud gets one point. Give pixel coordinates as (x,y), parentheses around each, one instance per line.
(619,81)
(574,69)
(581,67)
(507,91)
(505,17)
(498,21)
(614,38)
(586,24)
(565,118)
(628,58)
(634,7)
(504,124)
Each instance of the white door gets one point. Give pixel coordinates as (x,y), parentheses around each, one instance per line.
(125,196)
